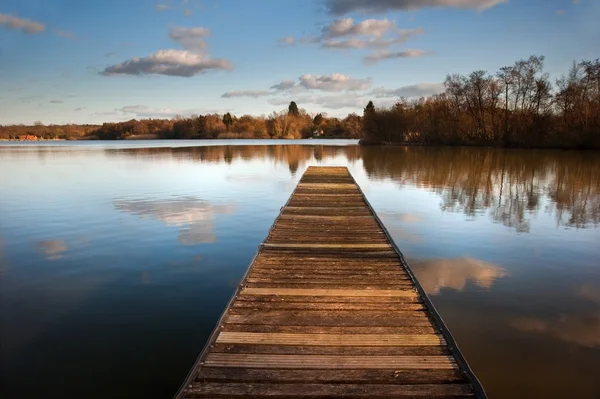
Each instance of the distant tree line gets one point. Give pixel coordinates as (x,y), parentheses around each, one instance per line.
(516,107)
(293,123)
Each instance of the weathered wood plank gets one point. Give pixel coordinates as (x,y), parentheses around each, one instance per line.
(217,390)
(398,377)
(326,306)
(330,339)
(328,361)
(427,329)
(327,292)
(337,318)
(361,300)
(428,350)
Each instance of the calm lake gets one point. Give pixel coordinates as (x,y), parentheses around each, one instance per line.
(117,259)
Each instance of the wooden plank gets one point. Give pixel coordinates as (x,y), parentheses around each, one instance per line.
(328,292)
(326,246)
(232,390)
(281,305)
(326,185)
(426,329)
(427,350)
(330,339)
(391,376)
(362,300)
(337,318)
(329,361)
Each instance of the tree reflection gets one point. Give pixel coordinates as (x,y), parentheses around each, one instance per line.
(510,186)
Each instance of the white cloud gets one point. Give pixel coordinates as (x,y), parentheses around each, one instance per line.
(416,90)
(346,34)
(168,62)
(190,38)
(400,37)
(162,7)
(246,93)
(22,24)
(347,27)
(340,7)
(388,55)
(333,82)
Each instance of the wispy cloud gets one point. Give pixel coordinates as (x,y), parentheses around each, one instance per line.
(340,7)
(347,27)
(56,101)
(411,91)
(143,111)
(23,24)
(182,63)
(400,36)
(333,82)
(306,83)
(246,93)
(284,85)
(190,38)
(388,55)
(162,7)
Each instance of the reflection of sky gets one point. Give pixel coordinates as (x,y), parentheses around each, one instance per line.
(192,213)
(455,273)
(52,248)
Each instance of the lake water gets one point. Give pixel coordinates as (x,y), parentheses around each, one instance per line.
(117,259)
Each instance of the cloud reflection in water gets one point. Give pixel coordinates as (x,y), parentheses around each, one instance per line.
(53,249)
(194,214)
(454,273)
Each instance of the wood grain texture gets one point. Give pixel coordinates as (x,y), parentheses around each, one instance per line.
(327,310)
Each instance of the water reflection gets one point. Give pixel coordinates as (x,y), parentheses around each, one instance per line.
(455,273)
(294,156)
(509,186)
(196,214)
(53,249)
(582,330)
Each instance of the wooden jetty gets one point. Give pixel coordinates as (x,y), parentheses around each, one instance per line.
(329,309)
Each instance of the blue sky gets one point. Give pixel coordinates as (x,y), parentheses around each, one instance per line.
(89,62)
